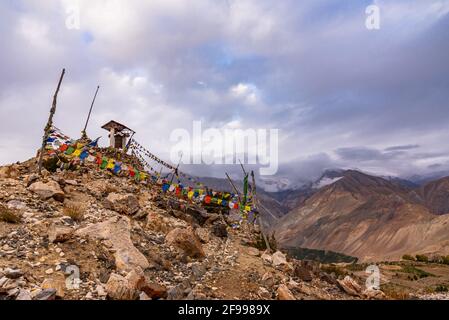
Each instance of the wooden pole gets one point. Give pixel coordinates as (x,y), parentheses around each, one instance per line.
(129,143)
(84,134)
(176,170)
(254,187)
(49,122)
(243,168)
(259,218)
(233,186)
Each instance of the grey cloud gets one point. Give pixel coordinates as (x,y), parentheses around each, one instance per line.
(402,148)
(362,154)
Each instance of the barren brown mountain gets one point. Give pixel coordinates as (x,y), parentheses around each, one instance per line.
(370,218)
(435,195)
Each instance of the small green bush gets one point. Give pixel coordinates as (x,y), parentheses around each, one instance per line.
(408,257)
(445,260)
(441,288)
(422,258)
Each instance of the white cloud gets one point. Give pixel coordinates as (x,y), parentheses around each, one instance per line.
(247,92)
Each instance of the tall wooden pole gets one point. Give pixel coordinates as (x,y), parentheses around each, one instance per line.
(49,122)
(254,187)
(259,218)
(243,168)
(233,186)
(84,134)
(176,170)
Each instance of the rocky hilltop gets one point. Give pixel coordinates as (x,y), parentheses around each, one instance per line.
(88,234)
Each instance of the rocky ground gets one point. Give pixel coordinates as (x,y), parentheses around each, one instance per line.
(89,235)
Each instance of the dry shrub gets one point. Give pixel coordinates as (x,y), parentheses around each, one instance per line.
(74,210)
(110,188)
(8,215)
(395,293)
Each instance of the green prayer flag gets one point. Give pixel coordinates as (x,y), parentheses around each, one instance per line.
(70,150)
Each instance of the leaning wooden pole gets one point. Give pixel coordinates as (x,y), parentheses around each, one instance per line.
(233,186)
(84,133)
(49,123)
(176,170)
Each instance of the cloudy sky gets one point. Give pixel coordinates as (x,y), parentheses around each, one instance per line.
(340,94)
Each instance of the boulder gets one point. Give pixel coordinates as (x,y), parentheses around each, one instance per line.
(267,258)
(47,294)
(126,204)
(203,234)
(119,288)
(329,278)
(24,295)
(220,230)
(374,294)
(253,251)
(302,273)
(284,293)
(154,290)
(268,280)
(143,296)
(187,241)
(264,293)
(56,282)
(175,293)
(349,286)
(136,278)
(116,231)
(163,224)
(101,292)
(13,273)
(199,215)
(279,259)
(47,190)
(59,233)
(29,180)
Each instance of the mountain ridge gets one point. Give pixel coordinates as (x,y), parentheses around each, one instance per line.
(368,217)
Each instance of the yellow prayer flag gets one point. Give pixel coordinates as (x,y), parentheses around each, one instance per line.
(77,152)
(110,164)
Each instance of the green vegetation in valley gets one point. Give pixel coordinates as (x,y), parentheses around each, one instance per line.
(422,258)
(408,257)
(323,256)
(416,273)
(441,288)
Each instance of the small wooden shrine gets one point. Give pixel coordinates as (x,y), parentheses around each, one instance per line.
(119,134)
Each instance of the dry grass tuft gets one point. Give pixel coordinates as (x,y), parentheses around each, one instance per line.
(395,293)
(8,215)
(75,211)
